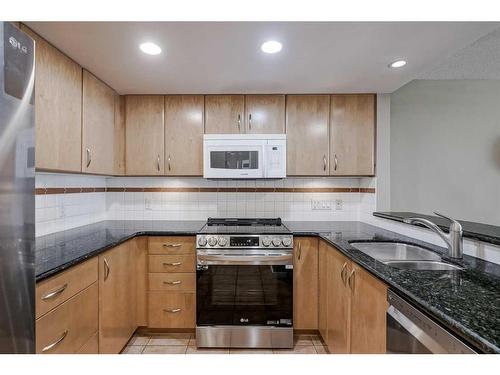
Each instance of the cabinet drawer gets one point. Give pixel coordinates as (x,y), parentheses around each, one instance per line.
(172,310)
(171,245)
(172,282)
(69,326)
(172,263)
(91,346)
(54,291)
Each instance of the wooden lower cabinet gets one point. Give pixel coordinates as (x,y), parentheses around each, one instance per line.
(91,346)
(355,305)
(172,309)
(305,283)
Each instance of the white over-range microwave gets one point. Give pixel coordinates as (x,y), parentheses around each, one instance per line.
(241,156)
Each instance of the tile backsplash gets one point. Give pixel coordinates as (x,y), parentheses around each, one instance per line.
(168,198)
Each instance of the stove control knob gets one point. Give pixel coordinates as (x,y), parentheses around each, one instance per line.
(212,241)
(276,241)
(202,241)
(266,241)
(222,241)
(287,241)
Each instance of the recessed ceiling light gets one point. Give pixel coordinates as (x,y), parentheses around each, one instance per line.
(150,48)
(271,46)
(397,64)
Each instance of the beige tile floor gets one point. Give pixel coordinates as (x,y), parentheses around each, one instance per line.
(185,343)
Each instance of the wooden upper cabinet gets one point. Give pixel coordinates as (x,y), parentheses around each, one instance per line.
(98,126)
(117,298)
(144,130)
(352,135)
(265,114)
(58,109)
(184,135)
(119,136)
(368,317)
(307,135)
(224,114)
(305,283)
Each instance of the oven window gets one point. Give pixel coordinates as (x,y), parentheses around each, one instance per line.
(244,295)
(234,159)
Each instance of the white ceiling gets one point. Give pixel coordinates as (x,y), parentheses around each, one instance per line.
(216,57)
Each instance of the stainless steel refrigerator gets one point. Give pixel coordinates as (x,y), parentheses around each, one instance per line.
(17,186)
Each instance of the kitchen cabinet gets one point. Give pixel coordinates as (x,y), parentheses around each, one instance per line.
(224,114)
(144,129)
(307,131)
(117,298)
(305,283)
(184,135)
(265,114)
(58,109)
(119,136)
(356,305)
(322,290)
(98,126)
(352,135)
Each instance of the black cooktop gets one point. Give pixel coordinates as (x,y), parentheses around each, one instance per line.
(244,226)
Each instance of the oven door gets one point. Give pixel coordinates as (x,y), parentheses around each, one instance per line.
(230,160)
(244,290)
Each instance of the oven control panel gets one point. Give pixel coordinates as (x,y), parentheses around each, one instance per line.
(244,241)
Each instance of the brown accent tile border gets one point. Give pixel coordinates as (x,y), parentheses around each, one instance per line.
(43,191)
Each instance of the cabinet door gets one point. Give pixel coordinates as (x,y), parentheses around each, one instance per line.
(352,135)
(224,114)
(58,109)
(184,135)
(119,136)
(98,126)
(305,283)
(322,290)
(144,134)
(307,135)
(339,303)
(368,316)
(265,114)
(117,298)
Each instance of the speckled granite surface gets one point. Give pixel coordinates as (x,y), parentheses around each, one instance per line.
(467,302)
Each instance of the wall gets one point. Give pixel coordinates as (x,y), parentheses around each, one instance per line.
(445,149)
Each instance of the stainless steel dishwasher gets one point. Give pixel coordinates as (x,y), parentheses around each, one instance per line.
(410,331)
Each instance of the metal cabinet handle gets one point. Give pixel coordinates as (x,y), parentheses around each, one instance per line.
(342,273)
(172,310)
(176,282)
(324,162)
(158,163)
(55,343)
(172,264)
(106,269)
(239,122)
(335,162)
(89,157)
(169,166)
(250,121)
(299,251)
(351,277)
(55,293)
(172,245)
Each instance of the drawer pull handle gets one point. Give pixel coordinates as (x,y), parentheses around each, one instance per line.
(343,273)
(55,293)
(55,343)
(176,282)
(106,269)
(351,277)
(172,245)
(173,311)
(172,264)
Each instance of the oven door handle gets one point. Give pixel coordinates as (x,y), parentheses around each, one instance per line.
(208,259)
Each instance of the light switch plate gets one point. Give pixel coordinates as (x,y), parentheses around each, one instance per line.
(339,204)
(321,205)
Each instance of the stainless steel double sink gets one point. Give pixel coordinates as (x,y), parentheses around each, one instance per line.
(404,256)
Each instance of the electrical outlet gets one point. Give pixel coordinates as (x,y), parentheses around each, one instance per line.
(147,203)
(321,205)
(339,205)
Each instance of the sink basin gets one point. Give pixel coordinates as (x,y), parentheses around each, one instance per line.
(395,251)
(422,265)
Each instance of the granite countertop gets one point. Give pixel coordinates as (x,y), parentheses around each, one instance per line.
(467,302)
(478,231)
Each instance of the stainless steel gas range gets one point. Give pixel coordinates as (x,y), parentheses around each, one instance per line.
(244,284)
